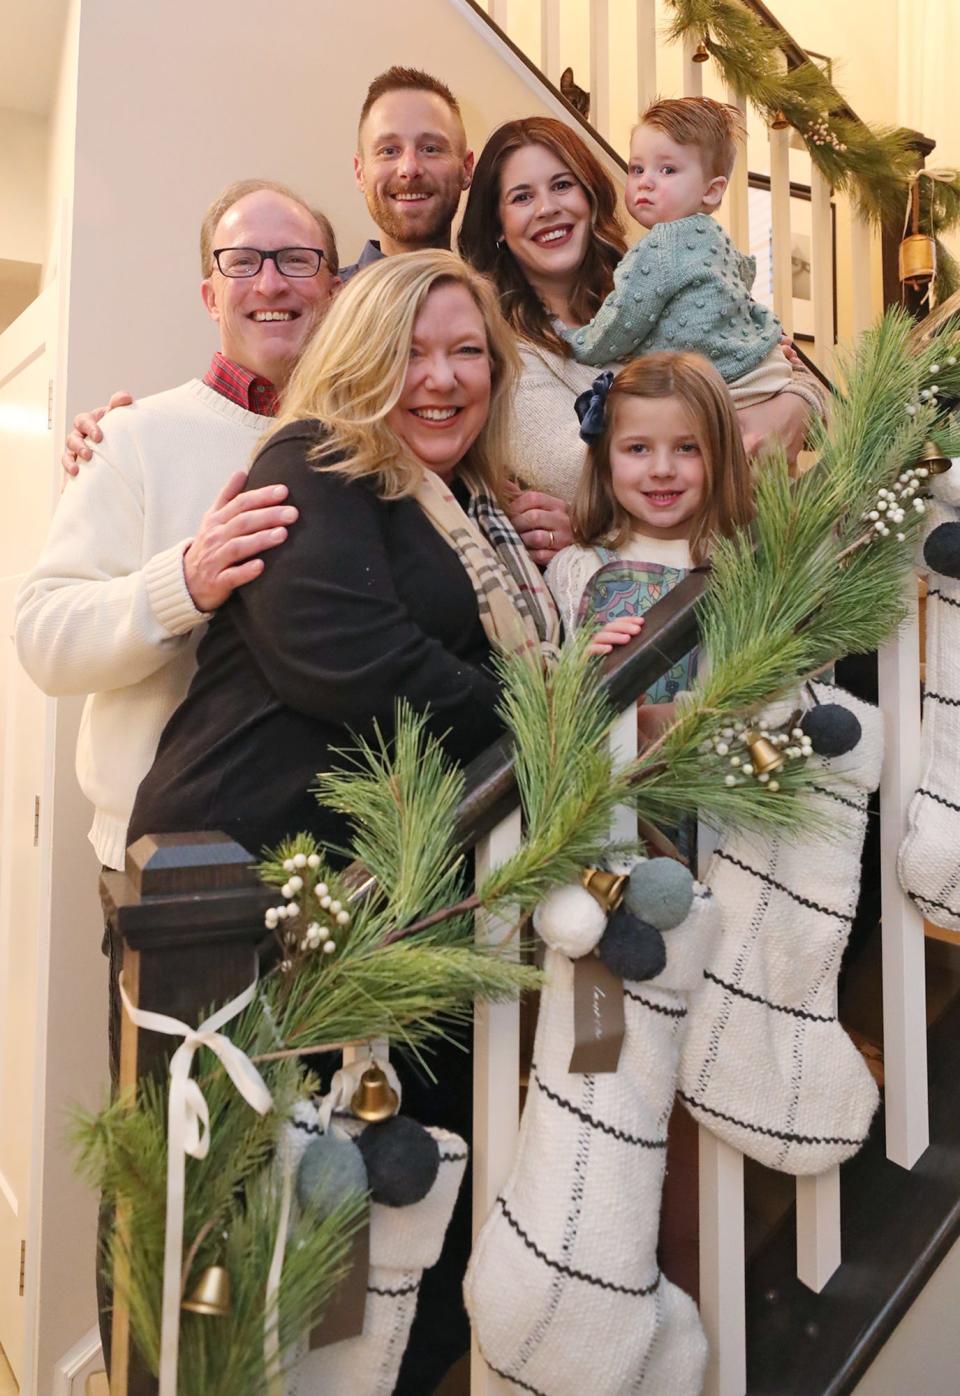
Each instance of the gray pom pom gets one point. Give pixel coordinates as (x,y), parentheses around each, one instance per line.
(331,1170)
(631,948)
(660,891)
(832,729)
(402,1161)
(941,551)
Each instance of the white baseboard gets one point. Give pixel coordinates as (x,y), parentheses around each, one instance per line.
(82,1361)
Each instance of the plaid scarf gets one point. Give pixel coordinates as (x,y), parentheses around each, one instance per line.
(516,610)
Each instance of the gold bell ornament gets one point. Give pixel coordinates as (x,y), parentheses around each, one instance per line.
(778,122)
(918,251)
(701,53)
(933,459)
(764,756)
(212,1293)
(374,1099)
(604,887)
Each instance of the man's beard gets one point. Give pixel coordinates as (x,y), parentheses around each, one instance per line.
(416,231)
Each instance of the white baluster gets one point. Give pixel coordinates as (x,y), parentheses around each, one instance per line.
(780,223)
(722,1293)
(499,12)
(646,54)
(861,259)
(692,72)
(623,746)
(600,66)
(821,214)
(904,989)
(737,198)
(818,1228)
(496,1065)
(550,40)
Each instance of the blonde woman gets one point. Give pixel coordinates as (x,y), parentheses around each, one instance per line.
(400,579)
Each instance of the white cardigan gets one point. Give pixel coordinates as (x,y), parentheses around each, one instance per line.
(106,610)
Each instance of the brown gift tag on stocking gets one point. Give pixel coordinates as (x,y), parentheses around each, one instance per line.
(598,1021)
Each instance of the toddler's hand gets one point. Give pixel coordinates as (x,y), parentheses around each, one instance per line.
(616,632)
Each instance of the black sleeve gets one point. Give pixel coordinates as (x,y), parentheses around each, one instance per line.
(324,620)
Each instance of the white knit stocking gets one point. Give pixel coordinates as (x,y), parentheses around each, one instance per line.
(929,861)
(765,1064)
(404,1241)
(563,1287)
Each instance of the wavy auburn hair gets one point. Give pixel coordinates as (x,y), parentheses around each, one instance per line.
(352,373)
(481,230)
(597,516)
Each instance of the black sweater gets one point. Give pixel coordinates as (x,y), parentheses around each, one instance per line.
(363,604)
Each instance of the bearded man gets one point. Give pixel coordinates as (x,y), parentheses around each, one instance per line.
(412,163)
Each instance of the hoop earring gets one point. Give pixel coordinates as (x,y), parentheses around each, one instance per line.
(500,244)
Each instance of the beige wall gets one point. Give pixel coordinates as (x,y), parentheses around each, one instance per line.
(23,163)
(923,1354)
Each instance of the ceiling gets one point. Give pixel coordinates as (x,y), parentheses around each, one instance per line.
(32,33)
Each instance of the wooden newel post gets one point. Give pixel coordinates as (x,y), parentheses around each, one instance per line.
(189,909)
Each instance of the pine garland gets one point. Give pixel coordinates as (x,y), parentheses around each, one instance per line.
(873,164)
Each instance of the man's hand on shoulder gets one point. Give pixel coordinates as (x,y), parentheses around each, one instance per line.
(542,521)
(238,526)
(86,431)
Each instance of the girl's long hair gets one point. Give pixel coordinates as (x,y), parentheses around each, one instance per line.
(352,373)
(481,231)
(597,516)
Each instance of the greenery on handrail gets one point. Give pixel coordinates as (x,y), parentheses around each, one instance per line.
(819,577)
(871,163)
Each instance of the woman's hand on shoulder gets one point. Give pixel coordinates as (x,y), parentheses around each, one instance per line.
(616,632)
(541,520)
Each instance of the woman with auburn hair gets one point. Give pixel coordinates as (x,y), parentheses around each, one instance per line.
(401,578)
(541,222)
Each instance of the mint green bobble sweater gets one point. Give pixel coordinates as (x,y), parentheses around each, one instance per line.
(683,286)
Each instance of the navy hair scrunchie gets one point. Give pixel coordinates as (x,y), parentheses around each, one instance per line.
(591,406)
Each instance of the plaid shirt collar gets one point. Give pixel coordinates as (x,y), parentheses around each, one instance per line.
(241,386)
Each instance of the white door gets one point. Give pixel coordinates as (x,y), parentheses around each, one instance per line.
(25,447)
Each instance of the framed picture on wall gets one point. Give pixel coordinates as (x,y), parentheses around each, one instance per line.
(801,249)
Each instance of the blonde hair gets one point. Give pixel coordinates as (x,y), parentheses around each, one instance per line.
(597,516)
(240,188)
(353,370)
(713,127)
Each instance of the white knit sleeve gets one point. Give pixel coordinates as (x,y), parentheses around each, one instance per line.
(93,614)
(567,577)
(545,449)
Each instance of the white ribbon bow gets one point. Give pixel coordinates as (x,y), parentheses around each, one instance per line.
(188,1132)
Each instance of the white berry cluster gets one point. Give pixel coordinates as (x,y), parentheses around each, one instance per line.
(890,507)
(733,743)
(929,395)
(319,933)
(819,133)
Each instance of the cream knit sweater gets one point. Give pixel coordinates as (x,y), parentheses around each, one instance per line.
(106,610)
(545,450)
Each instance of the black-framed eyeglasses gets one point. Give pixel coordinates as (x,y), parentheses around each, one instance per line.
(289,261)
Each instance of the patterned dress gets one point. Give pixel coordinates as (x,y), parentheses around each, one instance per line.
(623,587)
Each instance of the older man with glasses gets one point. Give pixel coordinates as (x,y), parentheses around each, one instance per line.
(158,530)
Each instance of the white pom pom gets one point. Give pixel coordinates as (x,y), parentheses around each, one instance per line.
(313,861)
(288,865)
(570,920)
(296,883)
(299,860)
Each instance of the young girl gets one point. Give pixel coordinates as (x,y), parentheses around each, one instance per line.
(666,471)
